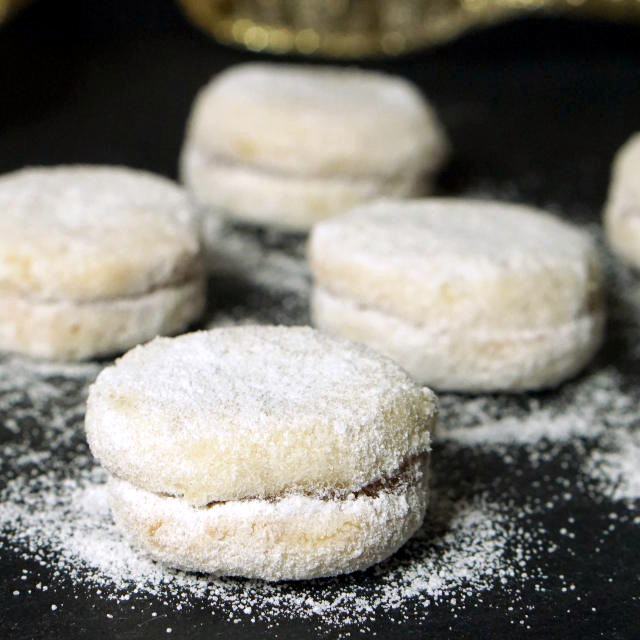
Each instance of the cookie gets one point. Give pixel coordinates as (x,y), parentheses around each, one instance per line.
(287,145)
(465,295)
(266,452)
(94,260)
(622,212)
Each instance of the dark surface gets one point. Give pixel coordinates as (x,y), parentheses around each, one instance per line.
(535,111)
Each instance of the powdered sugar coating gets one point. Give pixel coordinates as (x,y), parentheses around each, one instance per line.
(466,295)
(292,538)
(290,202)
(622,212)
(500,534)
(288,145)
(463,263)
(245,412)
(474,360)
(68,330)
(93,233)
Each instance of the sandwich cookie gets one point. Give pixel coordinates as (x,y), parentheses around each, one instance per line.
(94,260)
(287,145)
(266,452)
(622,212)
(465,295)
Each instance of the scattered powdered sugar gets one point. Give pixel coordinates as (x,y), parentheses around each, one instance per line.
(584,408)
(600,407)
(267,267)
(615,465)
(54,512)
(39,400)
(507,469)
(66,524)
(275,261)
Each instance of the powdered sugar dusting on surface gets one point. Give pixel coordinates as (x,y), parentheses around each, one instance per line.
(514,477)
(584,408)
(67,524)
(615,466)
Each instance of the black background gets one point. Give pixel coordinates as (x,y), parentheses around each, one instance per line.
(535,110)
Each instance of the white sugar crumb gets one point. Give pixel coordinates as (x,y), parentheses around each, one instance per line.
(615,467)
(585,408)
(272,260)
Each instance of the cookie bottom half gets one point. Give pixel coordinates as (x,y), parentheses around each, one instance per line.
(465,360)
(291,537)
(622,226)
(289,202)
(67,330)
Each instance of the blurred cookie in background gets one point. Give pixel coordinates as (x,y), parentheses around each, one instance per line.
(465,295)
(284,146)
(622,212)
(94,260)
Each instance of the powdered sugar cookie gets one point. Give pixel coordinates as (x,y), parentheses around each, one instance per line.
(268,452)
(622,213)
(287,145)
(466,295)
(94,260)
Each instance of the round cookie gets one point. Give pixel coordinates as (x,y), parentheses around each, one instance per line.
(465,295)
(287,145)
(622,212)
(94,260)
(269,452)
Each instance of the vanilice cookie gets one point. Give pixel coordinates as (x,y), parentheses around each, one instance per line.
(622,213)
(465,295)
(94,260)
(286,145)
(266,452)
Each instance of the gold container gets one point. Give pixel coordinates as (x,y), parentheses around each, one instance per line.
(356,28)
(9,7)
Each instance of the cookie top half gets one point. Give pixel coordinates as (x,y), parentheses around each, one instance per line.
(85,233)
(256,412)
(316,121)
(460,262)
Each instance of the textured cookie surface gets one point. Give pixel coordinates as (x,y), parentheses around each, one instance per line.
(293,537)
(316,121)
(292,202)
(67,330)
(622,213)
(287,145)
(254,412)
(461,263)
(465,295)
(87,233)
(478,360)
